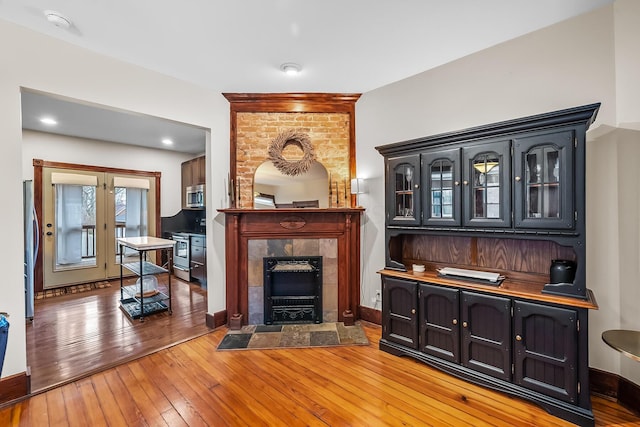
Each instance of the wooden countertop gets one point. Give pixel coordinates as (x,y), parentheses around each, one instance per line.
(143,243)
(507,287)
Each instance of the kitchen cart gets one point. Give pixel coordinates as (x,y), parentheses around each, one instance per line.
(135,301)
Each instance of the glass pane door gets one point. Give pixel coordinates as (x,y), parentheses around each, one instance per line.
(404,176)
(75,225)
(129,207)
(486,178)
(441,189)
(542,172)
(73,206)
(486,186)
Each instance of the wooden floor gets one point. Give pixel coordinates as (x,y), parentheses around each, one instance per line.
(192,384)
(76,334)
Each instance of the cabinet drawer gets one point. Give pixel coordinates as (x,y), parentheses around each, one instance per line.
(200,241)
(198,254)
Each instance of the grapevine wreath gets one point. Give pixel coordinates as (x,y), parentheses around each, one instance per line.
(292,167)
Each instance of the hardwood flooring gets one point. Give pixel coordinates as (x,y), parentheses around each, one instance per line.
(192,384)
(76,334)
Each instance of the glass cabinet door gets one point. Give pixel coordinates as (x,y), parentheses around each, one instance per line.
(403,185)
(542,167)
(487,195)
(441,187)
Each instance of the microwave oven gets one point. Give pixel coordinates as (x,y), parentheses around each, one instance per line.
(195,196)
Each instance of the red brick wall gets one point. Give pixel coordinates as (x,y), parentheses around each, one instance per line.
(328,132)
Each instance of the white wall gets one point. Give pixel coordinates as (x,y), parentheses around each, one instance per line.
(59,148)
(568,64)
(37,62)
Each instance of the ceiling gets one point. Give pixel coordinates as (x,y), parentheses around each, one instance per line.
(343,46)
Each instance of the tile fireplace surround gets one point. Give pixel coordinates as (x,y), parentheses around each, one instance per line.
(251,235)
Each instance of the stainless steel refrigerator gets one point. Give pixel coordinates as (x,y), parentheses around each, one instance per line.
(31,242)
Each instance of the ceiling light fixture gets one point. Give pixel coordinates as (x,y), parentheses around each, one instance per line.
(48,121)
(57,19)
(167,141)
(290,68)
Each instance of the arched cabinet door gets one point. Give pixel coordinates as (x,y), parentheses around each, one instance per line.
(403,190)
(486,171)
(543,180)
(441,184)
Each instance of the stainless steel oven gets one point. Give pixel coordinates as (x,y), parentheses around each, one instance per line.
(181,261)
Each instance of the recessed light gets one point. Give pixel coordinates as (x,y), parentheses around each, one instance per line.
(57,19)
(48,121)
(290,68)
(167,141)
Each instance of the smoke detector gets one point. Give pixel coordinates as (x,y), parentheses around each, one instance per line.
(57,19)
(290,68)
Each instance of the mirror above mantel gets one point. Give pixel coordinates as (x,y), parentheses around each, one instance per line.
(273,189)
(259,122)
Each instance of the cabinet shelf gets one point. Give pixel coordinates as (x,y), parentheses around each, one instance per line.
(133,292)
(148,268)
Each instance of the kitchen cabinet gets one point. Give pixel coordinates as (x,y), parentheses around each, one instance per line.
(505,198)
(193,173)
(198,259)
(136,301)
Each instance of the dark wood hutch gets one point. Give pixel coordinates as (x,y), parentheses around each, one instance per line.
(505,198)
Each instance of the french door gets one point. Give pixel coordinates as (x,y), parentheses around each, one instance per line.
(84,212)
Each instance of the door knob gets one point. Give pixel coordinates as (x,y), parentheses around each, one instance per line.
(518,338)
(49,233)
(465,182)
(464,324)
(455,321)
(413,311)
(518,179)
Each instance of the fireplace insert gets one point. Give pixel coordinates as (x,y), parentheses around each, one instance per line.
(292,290)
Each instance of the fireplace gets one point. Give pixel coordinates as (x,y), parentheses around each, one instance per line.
(292,290)
(338,228)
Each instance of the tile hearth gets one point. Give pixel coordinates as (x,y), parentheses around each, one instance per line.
(254,337)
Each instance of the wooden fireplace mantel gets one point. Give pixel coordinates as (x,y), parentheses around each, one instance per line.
(242,225)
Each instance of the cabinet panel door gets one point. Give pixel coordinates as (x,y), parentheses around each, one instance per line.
(403,190)
(486,334)
(486,172)
(439,318)
(399,318)
(545,349)
(543,170)
(441,188)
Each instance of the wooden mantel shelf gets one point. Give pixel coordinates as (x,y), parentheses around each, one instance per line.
(242,225)
(236,211)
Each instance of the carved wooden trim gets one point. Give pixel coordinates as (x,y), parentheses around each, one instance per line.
(243,225)
(291,103)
